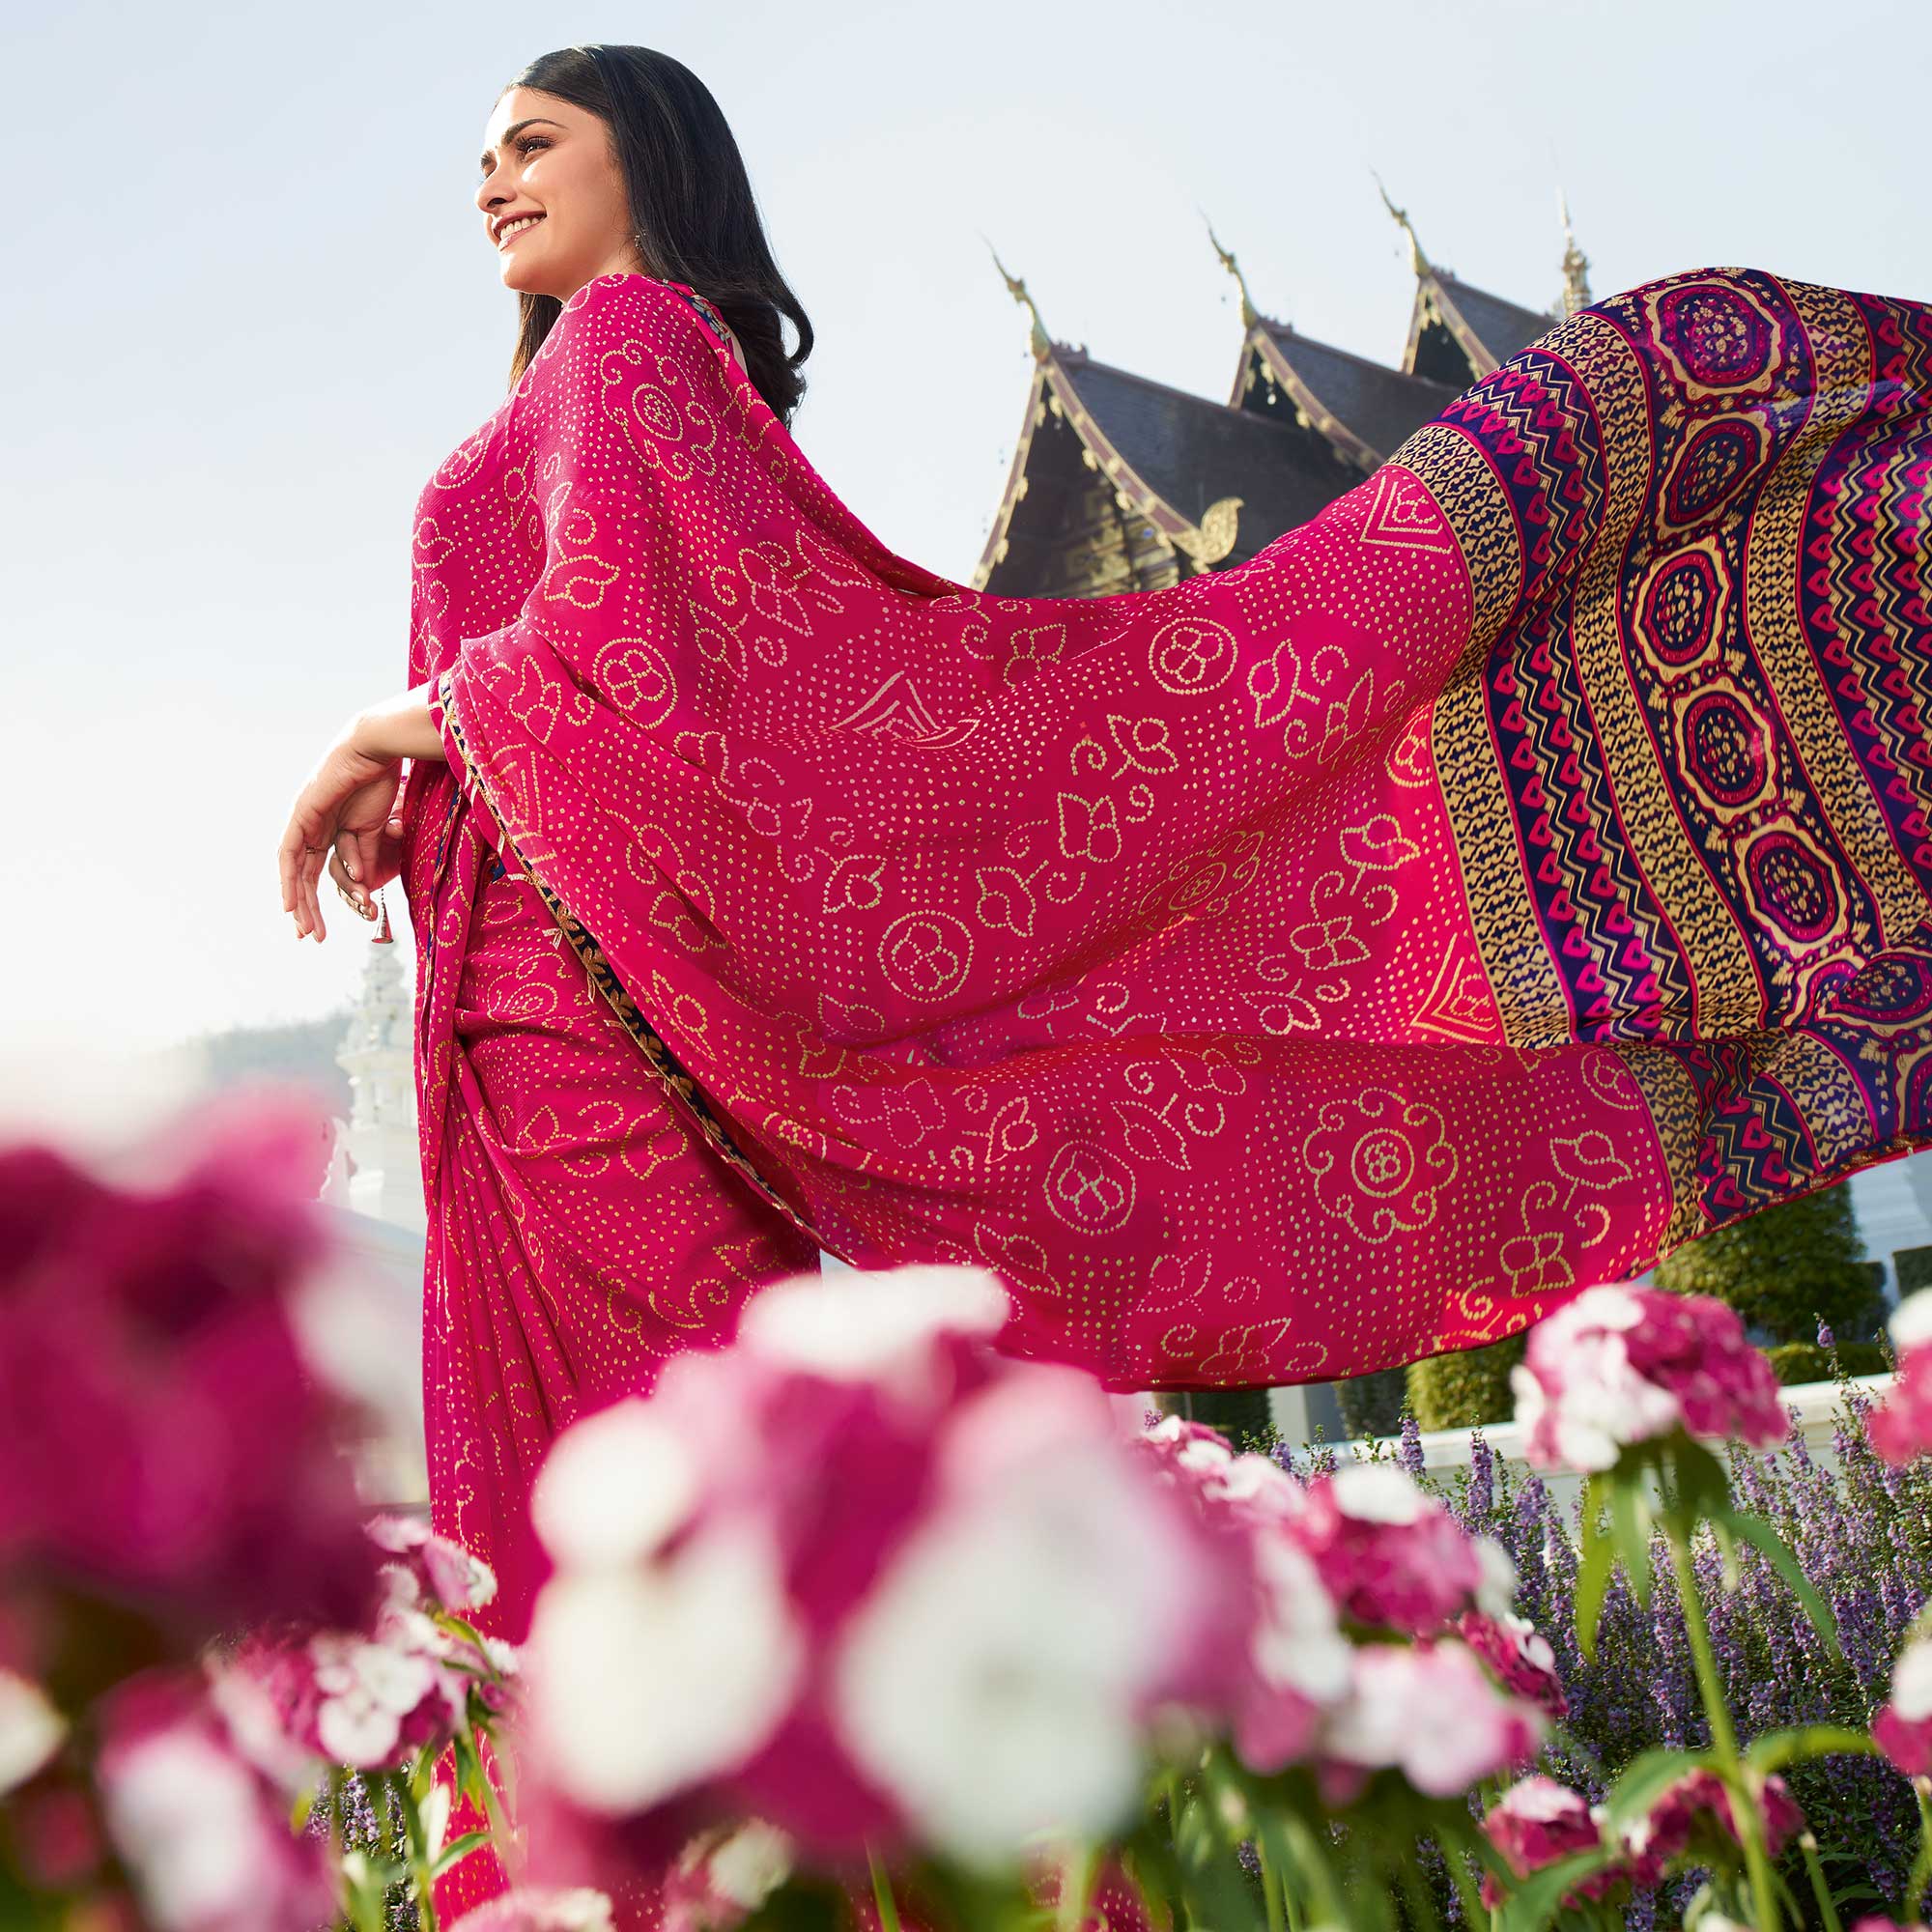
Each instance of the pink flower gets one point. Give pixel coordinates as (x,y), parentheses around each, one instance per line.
(1431,1712)
(1903,1728)
(204,1836)
(1282,1661)
(1394,1557)
(368,1698)
(445,1571)
(1621,1364)
(540,1911)
(1695,1815)
(1877,1922)
(165,1446)
(1519,1655)
(1538,1822)
(1900,1428)
(857,1575)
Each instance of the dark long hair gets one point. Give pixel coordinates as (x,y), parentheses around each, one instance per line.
(691,205)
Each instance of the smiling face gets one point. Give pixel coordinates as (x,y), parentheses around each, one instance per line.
(544,158)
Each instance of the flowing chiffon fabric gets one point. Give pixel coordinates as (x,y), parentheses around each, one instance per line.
(1336,960)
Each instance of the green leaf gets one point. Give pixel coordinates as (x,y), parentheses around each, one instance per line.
(1760,1535)
(1700,1488)
(1305,1858)
(1537,1900)
(456,1851)
(1212,1886)
(1630,1520)
(1647,1778)
(1593,1568)
(1776,1749)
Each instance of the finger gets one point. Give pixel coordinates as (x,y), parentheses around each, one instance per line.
(313,858)
(345,881)
(364,858)
(285,863)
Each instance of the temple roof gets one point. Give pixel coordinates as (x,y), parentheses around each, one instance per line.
(1501,327)
(1212,482)
(1365,408)
(1189,450)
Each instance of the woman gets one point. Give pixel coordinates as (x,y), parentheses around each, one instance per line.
(1344,957)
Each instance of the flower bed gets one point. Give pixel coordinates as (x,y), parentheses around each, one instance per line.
(865,1618)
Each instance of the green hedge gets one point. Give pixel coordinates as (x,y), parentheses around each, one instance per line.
(1372,1404)
(1241,1416)
(1463,1390)
(1805,1362)
(1786,1268)
(1914,1269)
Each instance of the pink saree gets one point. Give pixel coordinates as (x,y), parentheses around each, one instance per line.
(1344,957)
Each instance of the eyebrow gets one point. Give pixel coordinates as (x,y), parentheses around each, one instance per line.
(511,132)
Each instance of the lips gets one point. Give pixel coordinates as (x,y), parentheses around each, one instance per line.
(513,230)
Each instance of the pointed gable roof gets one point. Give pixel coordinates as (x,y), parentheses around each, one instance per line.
(1214,483)
(1366,410)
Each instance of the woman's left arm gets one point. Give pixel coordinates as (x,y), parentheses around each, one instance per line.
(349,805)
(399,727)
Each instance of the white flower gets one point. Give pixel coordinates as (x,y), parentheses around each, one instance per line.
(539,1911)
(751,1864)
(367,1690)
(1378,1493)
(992,1682)
(874,1322)
(647,1679)
(613,1488)
(1431,1713)
(1911,1682)
(1297,1645)
(31,1730)
(1910,1322)
(1602,1401)
(186,1818)
(1495,1593)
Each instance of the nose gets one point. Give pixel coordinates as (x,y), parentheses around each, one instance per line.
(489,195)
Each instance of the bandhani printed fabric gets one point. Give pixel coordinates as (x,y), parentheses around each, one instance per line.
(1339,958)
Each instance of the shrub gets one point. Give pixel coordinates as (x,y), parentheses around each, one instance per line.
(1241,1416)
(1464,1391)
(1786,1268)
(1914,1269)
(1372,1404)
(1806,1362)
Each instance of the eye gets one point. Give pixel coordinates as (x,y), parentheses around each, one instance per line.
(524,144)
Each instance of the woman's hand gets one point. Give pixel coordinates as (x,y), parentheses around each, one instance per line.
(348,802)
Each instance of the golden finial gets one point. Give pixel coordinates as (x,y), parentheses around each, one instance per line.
(1418,262)
(1043,343)
(1576,264)
(1250,315)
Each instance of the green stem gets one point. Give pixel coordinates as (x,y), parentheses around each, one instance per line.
(1921,1865)
(1273,1896)
(1820,1891)
(1077,1869)
(1723,1738)
(882,1893)
(503,1839)
(1421,1906)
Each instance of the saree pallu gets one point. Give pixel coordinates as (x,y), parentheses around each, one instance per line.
(1344,957)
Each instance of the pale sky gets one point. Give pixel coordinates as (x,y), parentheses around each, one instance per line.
(252,307)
